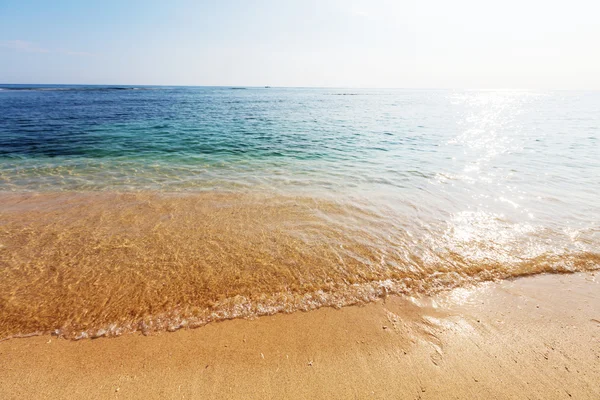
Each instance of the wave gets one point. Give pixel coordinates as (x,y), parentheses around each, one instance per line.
(83,265)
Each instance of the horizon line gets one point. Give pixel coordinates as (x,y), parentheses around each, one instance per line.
(301,87)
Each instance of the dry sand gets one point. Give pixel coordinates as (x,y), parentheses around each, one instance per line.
(531,338)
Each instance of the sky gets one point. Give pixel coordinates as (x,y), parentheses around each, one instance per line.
(478,44)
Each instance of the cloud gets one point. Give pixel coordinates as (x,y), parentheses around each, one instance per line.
(360,12)
(30,47)
(22,45)
(74,53)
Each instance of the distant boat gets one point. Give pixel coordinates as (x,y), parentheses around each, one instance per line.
(267,87)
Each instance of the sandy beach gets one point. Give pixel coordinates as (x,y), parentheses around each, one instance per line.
(365,199)
(535,337)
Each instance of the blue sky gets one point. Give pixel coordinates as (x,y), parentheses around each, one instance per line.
(348,43)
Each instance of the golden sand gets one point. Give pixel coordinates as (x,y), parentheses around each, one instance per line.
(531,338)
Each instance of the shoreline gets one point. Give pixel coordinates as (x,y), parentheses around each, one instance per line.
(90,265)
(531,337)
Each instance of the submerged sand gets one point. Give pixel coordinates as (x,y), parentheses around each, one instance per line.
(102,264)
(535,338)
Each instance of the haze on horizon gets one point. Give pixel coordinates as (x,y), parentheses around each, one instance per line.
(328,43)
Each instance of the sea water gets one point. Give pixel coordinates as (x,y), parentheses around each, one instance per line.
(149,208)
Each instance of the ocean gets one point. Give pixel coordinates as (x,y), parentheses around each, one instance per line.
(146,208)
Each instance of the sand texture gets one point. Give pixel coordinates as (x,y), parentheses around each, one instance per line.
(529,338)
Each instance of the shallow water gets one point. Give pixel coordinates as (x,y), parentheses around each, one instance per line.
(156,208)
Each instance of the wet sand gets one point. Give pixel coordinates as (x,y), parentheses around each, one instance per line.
(534,337)
(104,264)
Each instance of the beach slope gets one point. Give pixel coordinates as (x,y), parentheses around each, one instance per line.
(535,337)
